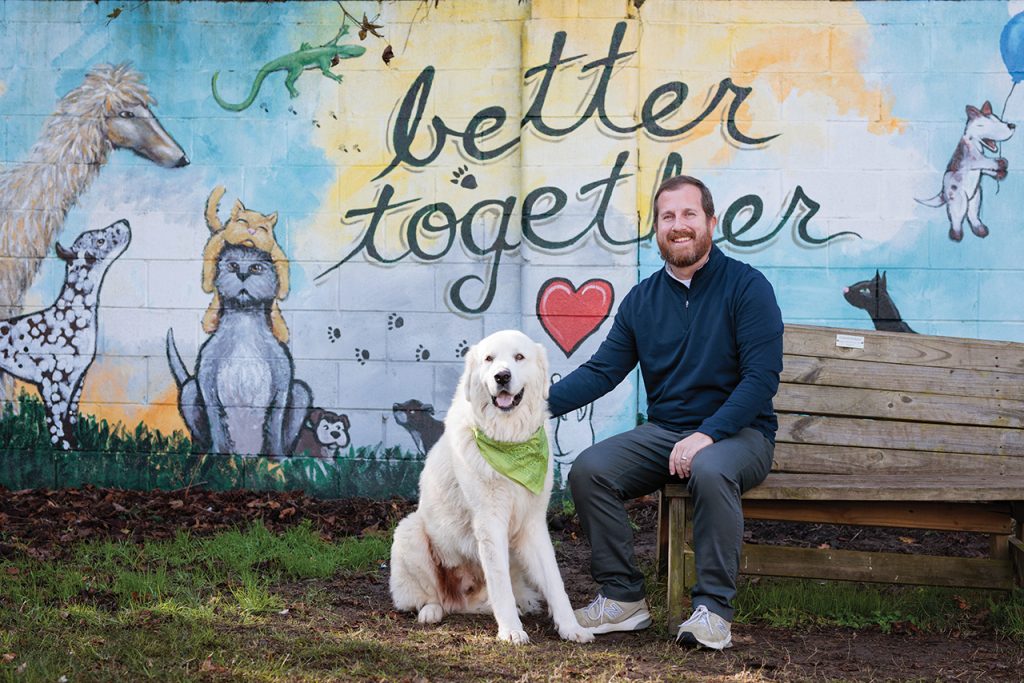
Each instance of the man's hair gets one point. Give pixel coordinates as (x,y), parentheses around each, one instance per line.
(676,182)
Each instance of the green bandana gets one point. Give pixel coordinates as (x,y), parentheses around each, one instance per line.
(525,463)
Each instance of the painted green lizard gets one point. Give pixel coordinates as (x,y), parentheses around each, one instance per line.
(306,57)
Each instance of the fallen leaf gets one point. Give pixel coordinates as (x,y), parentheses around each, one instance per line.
(115,14)
(824,546)
(287,512)
(13,571)
(908,540)
(388,55)
(177,504)
(8,657)
(367,26)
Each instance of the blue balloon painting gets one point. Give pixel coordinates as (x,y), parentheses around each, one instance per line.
(1011,45)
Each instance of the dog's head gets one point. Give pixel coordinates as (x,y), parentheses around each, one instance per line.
(331,428)
(507,375)
(986,128)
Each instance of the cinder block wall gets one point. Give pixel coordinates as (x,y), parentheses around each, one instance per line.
(497,171)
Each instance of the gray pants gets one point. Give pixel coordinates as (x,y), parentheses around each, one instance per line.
(634,464)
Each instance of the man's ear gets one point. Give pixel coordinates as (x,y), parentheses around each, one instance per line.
(469,371)
(542,361)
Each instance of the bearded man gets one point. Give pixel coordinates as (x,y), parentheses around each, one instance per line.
(707,333)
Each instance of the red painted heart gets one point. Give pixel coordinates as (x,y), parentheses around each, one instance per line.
(570,315)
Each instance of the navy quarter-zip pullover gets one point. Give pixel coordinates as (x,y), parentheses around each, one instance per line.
(710,355)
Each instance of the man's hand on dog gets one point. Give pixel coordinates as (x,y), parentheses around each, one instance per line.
(680,461)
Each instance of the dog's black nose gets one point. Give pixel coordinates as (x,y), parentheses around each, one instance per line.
(503,377)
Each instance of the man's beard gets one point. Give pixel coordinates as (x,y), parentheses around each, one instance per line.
(691,254)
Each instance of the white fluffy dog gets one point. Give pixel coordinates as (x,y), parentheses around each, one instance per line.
(479,540)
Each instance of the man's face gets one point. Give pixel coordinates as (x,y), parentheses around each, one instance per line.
(683,229)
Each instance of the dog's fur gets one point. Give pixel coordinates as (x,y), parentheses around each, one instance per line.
(961,184)
(54,348)
(248,229)
(478,541)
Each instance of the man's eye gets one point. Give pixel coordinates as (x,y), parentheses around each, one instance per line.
(126,114)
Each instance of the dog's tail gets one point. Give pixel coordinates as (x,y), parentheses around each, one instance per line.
(174,360)
(937,200)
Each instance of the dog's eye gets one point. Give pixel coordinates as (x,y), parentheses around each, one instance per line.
(520,356)
(126,114)
(488,359)
(101,241)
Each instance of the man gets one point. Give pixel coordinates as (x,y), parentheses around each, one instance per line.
(707,333)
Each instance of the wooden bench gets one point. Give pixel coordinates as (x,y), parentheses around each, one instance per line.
(887,430)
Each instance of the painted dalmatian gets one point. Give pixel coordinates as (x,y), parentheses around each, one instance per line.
(53,348)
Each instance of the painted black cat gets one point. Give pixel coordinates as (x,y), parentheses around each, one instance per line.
(873,296)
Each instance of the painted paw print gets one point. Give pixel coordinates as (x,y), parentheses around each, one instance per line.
(333,333)
(395,321)
(422,353)
(362,355)
(463,178)
(462,349)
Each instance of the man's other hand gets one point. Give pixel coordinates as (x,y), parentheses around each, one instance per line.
(680,461)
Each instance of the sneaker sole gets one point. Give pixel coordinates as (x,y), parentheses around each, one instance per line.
(691,640)
(637,622)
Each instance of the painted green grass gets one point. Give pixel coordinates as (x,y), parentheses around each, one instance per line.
(26,430)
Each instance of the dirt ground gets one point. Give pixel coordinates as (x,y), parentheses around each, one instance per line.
(45,524)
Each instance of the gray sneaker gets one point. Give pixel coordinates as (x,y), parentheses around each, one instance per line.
(605,615)
(705,628)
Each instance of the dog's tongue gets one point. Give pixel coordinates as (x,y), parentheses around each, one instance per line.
(504,400)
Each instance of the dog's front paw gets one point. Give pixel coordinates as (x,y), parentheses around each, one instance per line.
(576,634)
(515,636)
(430,613)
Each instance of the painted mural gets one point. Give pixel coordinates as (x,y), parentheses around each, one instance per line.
(403,178)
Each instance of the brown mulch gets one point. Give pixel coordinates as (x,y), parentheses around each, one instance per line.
(47,524)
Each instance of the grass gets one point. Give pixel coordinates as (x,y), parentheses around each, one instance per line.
(248,604)
(26,430)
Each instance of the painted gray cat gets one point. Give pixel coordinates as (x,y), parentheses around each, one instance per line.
(243,398)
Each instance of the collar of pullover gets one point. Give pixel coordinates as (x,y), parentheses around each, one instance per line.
(715,259)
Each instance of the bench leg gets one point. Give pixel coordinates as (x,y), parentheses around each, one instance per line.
(1017,543)
(682,572)
(661,551)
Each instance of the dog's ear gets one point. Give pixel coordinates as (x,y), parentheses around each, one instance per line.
(315,415)
(470,370)
(986,108)
(64,253)
(542,362)
(429,408)
(972,112)
(344,421)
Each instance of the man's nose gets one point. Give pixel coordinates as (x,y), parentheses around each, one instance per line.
(503,377)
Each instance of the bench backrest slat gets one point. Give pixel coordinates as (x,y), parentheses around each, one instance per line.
(908,349)
(819,459)
(842,372)
(901,405)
